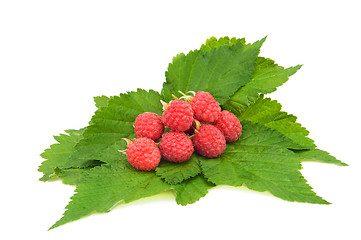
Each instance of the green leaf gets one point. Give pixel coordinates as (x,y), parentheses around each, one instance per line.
(213,42)
(174,173)
(266,77)
(56,166)
(261,161)
(220,71)
(265,158)
(110,124)
(192,190)
(268,113)
(319,156)
(101,101)
(109,185)
(71,176)
(58,154)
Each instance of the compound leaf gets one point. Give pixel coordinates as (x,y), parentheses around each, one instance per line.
(266,157)
(108,185)
(268,113)
(58,154)
(266,77)
(220,71)
(261,161)
(110,124)
(318,156)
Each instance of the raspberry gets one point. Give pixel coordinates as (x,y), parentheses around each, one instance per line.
(176,147)
(143,154)
(205,108)
(209,141)
(229,125)
(148,125)
(178,116)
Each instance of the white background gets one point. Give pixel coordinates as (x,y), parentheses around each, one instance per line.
(56,55)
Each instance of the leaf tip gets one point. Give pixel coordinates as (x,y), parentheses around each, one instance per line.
(55,225)
(258,44)
(325,202)
(342,164)
(293,70)
(263,39)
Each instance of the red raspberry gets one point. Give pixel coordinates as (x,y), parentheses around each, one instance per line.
(178,116)
(148,125)
(176,147)
(209,141)
(143,154)
(229,125)
(205,108)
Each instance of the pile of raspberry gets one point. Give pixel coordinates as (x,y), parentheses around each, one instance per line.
(196,123)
